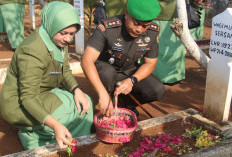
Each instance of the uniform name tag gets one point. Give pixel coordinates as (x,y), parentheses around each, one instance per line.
(54,73)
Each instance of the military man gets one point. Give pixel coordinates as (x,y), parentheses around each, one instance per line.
(114,52)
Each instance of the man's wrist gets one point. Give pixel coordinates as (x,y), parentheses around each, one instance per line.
(74,88)
(134,80)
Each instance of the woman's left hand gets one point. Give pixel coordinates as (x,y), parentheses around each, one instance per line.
(81,100)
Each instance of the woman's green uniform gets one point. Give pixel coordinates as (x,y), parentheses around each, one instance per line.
(12,20)
(170,66)
(31,90)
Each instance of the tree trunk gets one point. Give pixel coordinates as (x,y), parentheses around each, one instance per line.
(180,28)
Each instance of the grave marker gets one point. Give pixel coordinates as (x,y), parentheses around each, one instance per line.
(32,13)
(219,74)
(79,36)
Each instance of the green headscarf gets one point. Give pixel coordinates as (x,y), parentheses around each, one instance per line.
(55,17)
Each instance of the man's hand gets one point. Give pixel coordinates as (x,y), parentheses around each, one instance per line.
(106,105)
(124,87)
(81,100)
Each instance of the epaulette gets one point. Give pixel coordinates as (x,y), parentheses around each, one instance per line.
(112,23)
(155,27)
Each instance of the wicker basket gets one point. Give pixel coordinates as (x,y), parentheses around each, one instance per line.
(116,135)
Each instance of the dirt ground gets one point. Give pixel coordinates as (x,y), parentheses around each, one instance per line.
(100,149)
(189,93)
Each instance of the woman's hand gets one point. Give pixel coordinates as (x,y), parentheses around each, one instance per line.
(81,100)
(61,132)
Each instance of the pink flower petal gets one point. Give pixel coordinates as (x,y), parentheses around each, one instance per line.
(124,140)
(168,149)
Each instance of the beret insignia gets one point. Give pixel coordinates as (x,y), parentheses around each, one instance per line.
(155,27)
(112,23)
(101,28)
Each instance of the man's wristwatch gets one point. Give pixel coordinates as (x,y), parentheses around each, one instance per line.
(77,86)
(134,80)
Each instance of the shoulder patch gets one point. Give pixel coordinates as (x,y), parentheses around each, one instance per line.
(112,23)
(101,28)
(155,27)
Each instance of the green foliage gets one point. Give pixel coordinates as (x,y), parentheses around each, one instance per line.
(69,151)
(126,151)
(203,138)
(89,8)
(194,132)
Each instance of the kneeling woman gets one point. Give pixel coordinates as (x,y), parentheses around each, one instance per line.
(40,96)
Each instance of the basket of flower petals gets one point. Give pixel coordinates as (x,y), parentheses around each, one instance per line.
(119,128)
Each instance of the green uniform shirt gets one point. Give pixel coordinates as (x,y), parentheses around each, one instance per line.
(32,74)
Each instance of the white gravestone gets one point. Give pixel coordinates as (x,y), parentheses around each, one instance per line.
(219,74)
(79,36)
(32,13)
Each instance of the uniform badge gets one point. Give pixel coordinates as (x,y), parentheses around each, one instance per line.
(117,44)
(147,39)
(111,60)
(119,39)
(110,52)
(119,49)
(114,48)
(142,49)
(142,45)
(101,28)
(139,41)
(54,73)
(119,56)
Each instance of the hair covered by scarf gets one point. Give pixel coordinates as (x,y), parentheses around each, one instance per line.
(58,15)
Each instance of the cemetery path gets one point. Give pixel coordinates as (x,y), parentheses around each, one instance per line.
(189,93)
